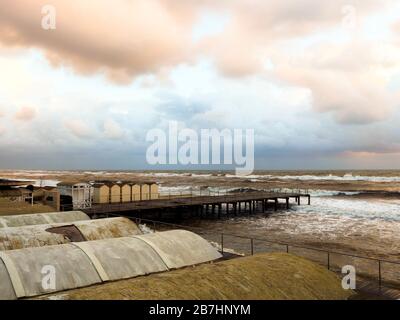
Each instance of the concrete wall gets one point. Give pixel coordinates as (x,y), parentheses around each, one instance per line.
(86,263)
(42,218)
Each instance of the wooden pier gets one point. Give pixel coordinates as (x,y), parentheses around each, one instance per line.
(232,204)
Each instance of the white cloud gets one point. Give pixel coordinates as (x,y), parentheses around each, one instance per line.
(79,128)
(112,130)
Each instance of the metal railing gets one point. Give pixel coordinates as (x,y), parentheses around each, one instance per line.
(119,199)
(286,247)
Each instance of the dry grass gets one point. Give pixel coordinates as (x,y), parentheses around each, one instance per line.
(7,208)
(263,277)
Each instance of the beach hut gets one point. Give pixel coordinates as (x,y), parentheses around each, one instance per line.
(145,191)
(154,192)
(126,192)
(101,193)
(115,193)
(136,192)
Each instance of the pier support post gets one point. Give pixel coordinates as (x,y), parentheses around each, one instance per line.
(287,203)
(276,204)
(298,200)
(309,200)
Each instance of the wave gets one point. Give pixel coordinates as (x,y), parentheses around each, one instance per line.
(330,177)
(353,208)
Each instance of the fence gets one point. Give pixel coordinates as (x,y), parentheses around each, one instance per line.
(381,271)
(211,193)
(229,195)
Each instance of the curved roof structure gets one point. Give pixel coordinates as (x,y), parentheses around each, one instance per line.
(268,276)
(82,264)
(187,248)
(124,258)
(41,218)
(26,268)
(61,233)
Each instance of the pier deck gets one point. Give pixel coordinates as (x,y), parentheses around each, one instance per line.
(233,203)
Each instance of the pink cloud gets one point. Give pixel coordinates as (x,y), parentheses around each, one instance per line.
(347,80)
(25,114)
(124,39)
(120,38)
(78,128)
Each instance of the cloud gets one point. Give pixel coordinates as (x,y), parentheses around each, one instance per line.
(321,81)
(130,38)
(256,26)
(25,114)
(183,109)
(79,128)
(121,39)
(349,80)
(112,130)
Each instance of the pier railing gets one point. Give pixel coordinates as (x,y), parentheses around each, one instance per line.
(191,198)
(380,271)
(218,193)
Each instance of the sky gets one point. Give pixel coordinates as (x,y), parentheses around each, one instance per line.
(318,81)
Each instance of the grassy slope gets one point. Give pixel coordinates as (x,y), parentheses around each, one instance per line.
(263,276)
